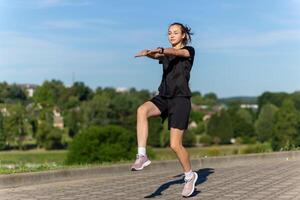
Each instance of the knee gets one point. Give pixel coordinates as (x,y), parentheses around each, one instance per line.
(175,147)
(141,111)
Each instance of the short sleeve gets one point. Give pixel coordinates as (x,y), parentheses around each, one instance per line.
(192,53)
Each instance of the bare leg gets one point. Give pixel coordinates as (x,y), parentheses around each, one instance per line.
(148,109)
(177,147)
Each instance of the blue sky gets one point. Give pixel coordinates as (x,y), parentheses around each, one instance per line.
(242,47)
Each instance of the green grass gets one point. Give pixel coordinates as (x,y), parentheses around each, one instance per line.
(27,161)
(33,156)
(41,160)
(218,150)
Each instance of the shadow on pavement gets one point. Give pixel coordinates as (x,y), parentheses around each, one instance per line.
(202,177)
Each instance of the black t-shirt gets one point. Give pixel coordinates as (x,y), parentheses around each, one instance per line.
(176,74)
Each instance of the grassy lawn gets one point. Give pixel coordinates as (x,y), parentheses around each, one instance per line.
(34,156)
(219,150)
(41,160)
(35,160)
(200,152)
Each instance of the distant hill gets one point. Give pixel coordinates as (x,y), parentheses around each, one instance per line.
(246,100)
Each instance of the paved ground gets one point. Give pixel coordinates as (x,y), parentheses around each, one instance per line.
(269,180)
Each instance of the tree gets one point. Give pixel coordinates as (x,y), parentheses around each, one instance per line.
(110,92)
(264,125)
(33,112)
(196,116)
(189,139)
(245,115)
(242,123)
(73,121)
(17,126)
(44,129)
(142,95)
(96,111)
(81,91)
(122,110)
(210,99)
(49,137)
(11,93)
(296,99)
(197,98)
(211,95)
(3,91)
(220,128)
(196,93)
(53,139)
(2,133)
(50,93)
(165,135)
(155,131)
(273,98)
(287,127)
(16,93)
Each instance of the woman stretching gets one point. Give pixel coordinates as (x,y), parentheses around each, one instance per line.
(172,102)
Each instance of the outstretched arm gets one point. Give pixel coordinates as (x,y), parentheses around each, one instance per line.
(158,52)
(171,51)
(149,54)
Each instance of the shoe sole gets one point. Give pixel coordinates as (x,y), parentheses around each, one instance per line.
(147,163)
(194,182)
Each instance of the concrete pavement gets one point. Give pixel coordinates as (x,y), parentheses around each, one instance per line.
(247,179)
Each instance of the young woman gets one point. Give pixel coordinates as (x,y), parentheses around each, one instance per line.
(172,102)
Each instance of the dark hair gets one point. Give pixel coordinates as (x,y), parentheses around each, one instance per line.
(185,29)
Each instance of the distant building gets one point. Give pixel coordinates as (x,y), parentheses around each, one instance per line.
(193,124)
(122,89)
(250,106)
(207,116)
(58,120)
(218,108)
(4,112)
(29,88)
(203,108)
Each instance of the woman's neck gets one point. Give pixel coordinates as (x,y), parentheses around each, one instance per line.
(178,46)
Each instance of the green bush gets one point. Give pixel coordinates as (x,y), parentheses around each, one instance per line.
(206,140)
(102,144)
(2,144)
(54,139)
(164,136)
(257,148)
(2,135)
(196,116)
(248,140)
(189,139)
(50,137)
(216,151)
(155,128)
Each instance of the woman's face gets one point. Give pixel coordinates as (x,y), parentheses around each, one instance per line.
(175,35)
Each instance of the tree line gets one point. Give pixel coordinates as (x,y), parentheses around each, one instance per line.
(29,122)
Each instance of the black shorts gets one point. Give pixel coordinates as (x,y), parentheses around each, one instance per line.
(176,109)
